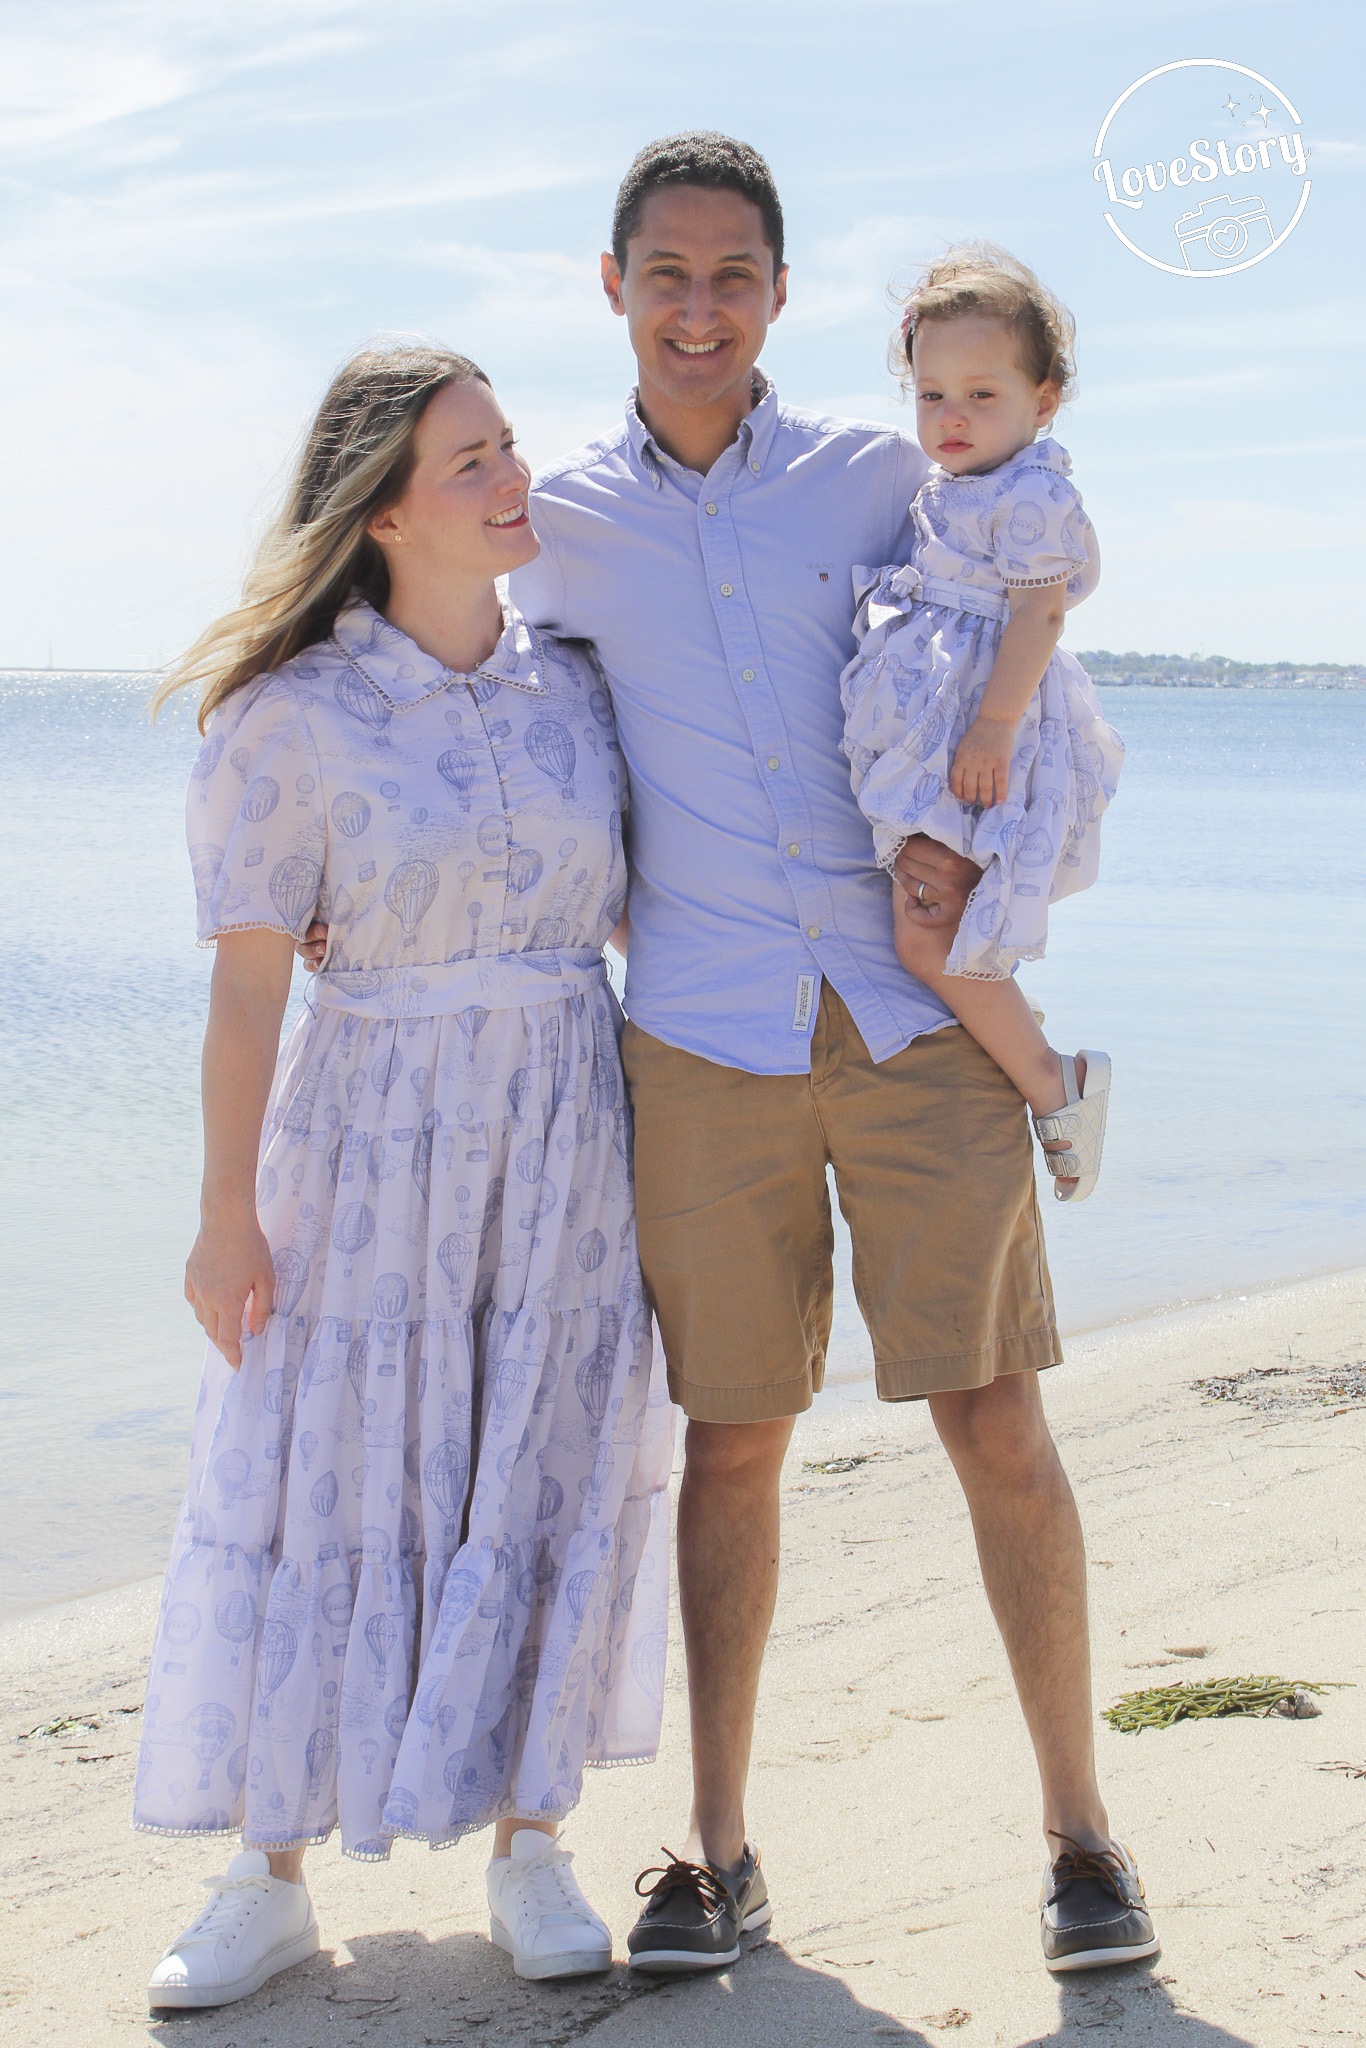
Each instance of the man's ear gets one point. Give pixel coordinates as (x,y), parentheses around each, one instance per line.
(779,294)
(611,281)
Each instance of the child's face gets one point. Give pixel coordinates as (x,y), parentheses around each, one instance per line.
(975,406)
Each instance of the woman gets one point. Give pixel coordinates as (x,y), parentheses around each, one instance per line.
(420,1575)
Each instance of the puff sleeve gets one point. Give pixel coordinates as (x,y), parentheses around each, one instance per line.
(1039,531)
(254,817)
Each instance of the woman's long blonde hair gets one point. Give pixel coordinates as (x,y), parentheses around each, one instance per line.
(357,459)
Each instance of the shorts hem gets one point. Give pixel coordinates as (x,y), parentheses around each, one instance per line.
(953,1372)
(764,1401)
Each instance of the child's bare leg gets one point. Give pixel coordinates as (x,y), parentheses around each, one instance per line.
(995,1012)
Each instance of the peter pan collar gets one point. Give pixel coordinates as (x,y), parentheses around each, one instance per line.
(403,675)
(1046,454)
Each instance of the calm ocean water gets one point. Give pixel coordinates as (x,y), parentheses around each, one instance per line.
(1219,961)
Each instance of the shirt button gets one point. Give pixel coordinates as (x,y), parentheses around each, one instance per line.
(747,675)
(725,590)
(794,849)
(712,510)
(813,931)
(755,467)
(773,763)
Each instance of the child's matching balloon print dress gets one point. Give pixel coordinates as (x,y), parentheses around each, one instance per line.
(421,1572)
(927,635)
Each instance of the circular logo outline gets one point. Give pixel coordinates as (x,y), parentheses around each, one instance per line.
(1188,64)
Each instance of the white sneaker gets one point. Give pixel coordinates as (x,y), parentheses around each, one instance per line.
(539,1915)
(253,1926)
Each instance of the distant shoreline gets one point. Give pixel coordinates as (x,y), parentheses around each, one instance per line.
(1114,671)
(1216,672)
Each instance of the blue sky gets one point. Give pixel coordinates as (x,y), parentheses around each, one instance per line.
(203,210)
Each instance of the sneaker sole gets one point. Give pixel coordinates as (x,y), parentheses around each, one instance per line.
(678,1961)
(1101,1958)
(183,1997)
(573,1962)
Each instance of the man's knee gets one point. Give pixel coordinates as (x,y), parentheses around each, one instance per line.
(735,1451)
(997,1432)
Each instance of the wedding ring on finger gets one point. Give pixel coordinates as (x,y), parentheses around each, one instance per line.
(920,896)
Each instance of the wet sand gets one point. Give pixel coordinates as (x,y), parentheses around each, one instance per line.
(892,1793)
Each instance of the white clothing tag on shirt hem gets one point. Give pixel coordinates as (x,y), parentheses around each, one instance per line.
(806,996)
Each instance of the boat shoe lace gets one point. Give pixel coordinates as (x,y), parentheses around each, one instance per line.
(678,1875)
(1104,1866)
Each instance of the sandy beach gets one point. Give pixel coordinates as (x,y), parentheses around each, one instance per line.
(892,1793)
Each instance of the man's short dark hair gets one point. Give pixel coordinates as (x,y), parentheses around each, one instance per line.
(700,157)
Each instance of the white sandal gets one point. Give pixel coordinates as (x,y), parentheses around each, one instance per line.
(1081,1125)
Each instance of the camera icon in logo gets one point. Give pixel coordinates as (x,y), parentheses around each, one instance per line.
(1223,231)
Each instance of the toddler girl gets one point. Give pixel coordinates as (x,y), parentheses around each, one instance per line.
(964,719)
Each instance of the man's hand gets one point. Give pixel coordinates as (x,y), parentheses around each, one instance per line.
(948,881)
(312,946)
(981,766)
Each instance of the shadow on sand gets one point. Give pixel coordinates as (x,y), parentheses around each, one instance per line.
(402,1991)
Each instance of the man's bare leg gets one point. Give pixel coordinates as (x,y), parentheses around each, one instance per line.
(727,1586)
(1033,1559)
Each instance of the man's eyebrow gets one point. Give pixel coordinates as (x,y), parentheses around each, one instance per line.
(676,256)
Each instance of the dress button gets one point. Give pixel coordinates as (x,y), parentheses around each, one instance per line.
(794,849)
(773,763)
(747,675)
(813,931)
(712,510)
(725,590)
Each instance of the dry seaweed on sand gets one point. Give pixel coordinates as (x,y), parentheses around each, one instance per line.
(1295,1386)
(1161,1706)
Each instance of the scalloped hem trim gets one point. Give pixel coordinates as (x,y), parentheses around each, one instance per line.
(147,1827)
(368,1855)
(259,924)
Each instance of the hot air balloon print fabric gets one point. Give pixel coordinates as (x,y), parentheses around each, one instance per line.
(927,634)
(420,1575)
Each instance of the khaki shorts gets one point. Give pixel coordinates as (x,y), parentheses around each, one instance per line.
(935,1174)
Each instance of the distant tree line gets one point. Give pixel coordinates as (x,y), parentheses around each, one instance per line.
(1216,671)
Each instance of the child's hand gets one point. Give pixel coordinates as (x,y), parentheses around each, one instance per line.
(981,766)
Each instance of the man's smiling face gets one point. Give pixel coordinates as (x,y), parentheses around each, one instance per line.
(698,293)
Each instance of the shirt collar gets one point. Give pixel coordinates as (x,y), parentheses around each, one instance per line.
(753,439)
(403,675)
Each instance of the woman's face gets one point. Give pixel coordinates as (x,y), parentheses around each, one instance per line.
(465,506)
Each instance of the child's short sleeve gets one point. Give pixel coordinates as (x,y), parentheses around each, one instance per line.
(254,817)
(1038,530)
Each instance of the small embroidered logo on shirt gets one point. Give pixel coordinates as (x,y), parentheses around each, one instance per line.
(806,996)
(822,570)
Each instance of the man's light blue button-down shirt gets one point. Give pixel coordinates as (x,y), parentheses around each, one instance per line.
(720,609)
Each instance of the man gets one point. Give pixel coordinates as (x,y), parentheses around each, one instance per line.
(705,549)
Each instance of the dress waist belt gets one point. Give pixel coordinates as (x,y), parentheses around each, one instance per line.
(503,981)
(961,597)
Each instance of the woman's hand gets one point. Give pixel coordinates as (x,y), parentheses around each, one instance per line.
(229,1278)
(981,766)
(312,947)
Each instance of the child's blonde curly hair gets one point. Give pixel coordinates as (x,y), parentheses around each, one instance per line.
(977,277)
